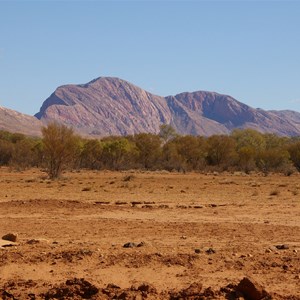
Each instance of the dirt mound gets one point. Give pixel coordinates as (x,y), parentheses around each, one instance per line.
(72,289)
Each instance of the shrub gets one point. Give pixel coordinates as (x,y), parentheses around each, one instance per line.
(60,147)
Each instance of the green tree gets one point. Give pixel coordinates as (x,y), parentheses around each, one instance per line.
(90,156)
(6,151)
(24,155)
(274,155)
(149,149)
(294,151)
(275,159)
(249,143)
(185,153)
(249,138)
(118,153)
(221,151)
(38,150)
(246,158)
(167,133)
(274,141)
(171,159)
(60,147)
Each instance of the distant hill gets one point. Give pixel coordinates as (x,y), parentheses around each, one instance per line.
(206,109)
(13,121)
(106,106)
(112,106)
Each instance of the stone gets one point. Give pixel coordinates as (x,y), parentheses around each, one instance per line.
(197,251)
(134,203)
(141,244)
(5,244)
(147,288)
(12,237)
(285,267)
(193,290)
(198,206)
(71,289)
(251,290)
(282,247)
(129,245)
(36,241)
(163,206)
(33,241)
(210,251)
(112,286)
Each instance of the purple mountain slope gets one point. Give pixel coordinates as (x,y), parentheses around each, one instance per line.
(111,106)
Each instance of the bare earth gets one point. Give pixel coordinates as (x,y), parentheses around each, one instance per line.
(75,229)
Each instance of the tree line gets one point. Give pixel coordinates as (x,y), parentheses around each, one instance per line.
(60,148)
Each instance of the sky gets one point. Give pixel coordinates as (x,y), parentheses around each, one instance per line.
(247,49)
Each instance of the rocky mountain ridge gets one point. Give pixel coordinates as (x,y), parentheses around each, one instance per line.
(112,106)
(106,106)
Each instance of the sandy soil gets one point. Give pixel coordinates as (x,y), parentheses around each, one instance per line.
(212,229)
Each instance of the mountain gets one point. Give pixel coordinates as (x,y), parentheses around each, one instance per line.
(106,106)
(111,106)
(13,121)
(221,114)
(291,115)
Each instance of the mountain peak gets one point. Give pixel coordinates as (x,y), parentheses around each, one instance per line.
(108,106)
(107,80)
(113,106)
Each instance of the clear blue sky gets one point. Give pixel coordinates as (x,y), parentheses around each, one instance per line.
(247,49)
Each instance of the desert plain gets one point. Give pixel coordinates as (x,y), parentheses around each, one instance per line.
(148,235)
